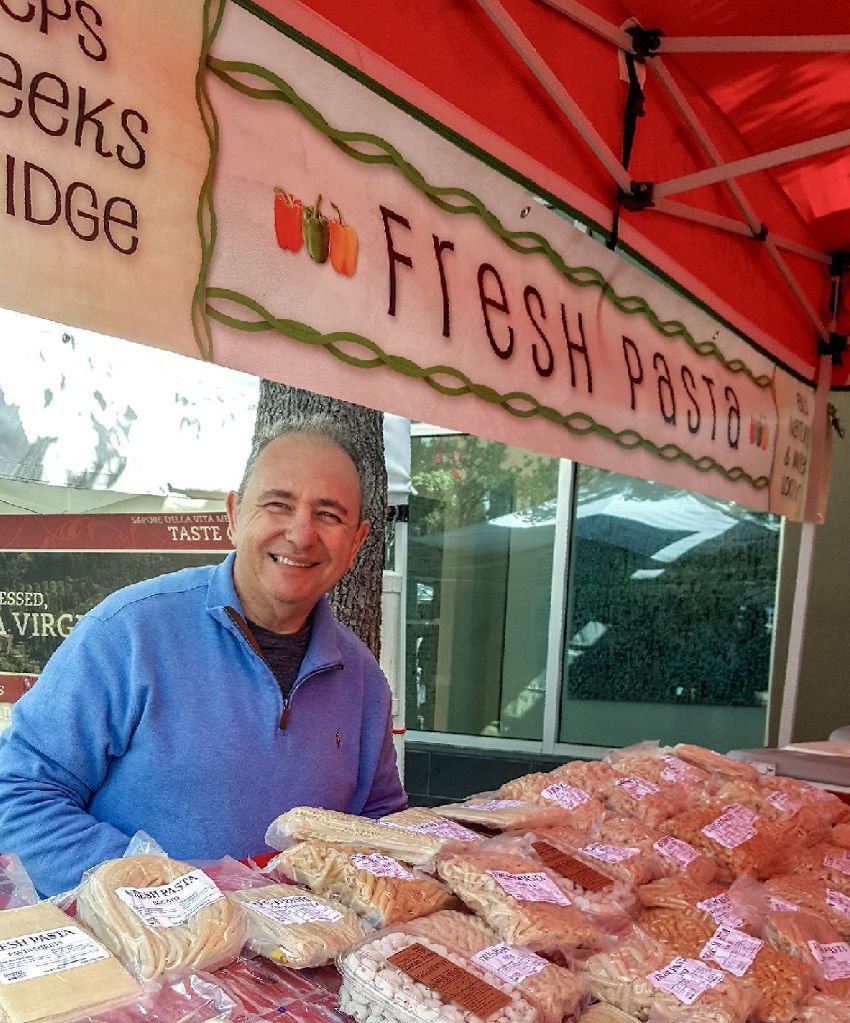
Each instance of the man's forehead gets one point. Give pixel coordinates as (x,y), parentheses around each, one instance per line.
(283,457)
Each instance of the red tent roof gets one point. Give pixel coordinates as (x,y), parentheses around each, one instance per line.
(752,98)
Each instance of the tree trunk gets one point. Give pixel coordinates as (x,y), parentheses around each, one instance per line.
(356,599)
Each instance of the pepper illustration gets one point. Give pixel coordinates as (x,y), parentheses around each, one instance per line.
(316,232)
(343,243)
(287,220)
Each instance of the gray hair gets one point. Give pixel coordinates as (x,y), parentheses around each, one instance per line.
(309,424)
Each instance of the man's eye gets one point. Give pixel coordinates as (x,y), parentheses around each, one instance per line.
(278,505)
(330,516)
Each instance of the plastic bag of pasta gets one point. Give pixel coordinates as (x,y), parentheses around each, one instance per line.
(810,892)
(52,971)
(659,764)
(556,989)
(520,899)
(644,979)
(623,846)
(809,937)
(158,915)
(803,821)
(667,856)
(830,863)
(486,811)
(822,1008)
(429,822)
(715,763)
(307,823)
(830,807)
(296,928)
(378,888)
(739,840)
(593,776)
(646,801)
(396,977)
(581,810)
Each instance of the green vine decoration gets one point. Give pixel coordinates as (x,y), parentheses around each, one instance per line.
(362,353)
(206,219)
(370,148)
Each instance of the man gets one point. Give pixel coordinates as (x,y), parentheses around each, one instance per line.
(200,705)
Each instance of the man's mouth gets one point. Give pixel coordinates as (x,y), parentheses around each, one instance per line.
(280,559)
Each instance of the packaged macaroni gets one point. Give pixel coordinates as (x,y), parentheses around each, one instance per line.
(667,856)
(813,893)
(378,888)
(651,803)
(593,776)
(809,937)
(581,809)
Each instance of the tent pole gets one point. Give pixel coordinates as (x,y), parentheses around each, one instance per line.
(553,86)
(761,161)
(677,209)
(802,586)
(589,19)
(754,44)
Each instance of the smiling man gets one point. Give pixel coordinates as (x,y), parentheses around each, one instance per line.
(200,705)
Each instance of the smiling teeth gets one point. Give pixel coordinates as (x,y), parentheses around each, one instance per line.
(280,560)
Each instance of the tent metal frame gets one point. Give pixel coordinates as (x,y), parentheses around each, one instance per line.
(723,172)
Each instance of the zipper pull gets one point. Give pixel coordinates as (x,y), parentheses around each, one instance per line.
(284,717)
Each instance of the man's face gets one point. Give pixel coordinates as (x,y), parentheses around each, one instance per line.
(296,530)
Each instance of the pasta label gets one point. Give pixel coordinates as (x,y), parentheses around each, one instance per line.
(776,905)
(445,829)
(721,910)
(509,963)
(45,952)
(731,949)
(784,803)
(676,850)
(565,795)
(834,958)
(677,770)
(838,901)
(380,866)
(170,905)
(295,909)
(733,827)
(686,979)
(637,788)
(839,863)
(530,887)
(610,853)
(452,983)
(496,804)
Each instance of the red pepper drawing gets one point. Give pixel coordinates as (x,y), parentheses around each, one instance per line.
(343,245)
(287,220)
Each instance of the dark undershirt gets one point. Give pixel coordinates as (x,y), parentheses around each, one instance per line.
(283,653)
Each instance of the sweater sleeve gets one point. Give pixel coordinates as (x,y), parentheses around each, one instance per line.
(56,753)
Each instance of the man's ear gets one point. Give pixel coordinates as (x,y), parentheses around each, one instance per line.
(359,537)
(231,505)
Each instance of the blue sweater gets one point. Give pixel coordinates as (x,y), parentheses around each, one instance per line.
(156,714)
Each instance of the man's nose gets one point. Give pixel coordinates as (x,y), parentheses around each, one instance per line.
(301,529)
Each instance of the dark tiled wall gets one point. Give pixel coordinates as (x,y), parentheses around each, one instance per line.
(436,774)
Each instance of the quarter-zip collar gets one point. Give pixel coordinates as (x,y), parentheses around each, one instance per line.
(322,654)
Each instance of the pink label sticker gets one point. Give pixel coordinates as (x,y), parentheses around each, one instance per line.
(496,804)
(838,901)
(530,887)
(676,850)
(610,853)
(445,829)
(781,906)
(839,863)
(784,803)
(721,909)
(733,827)
(565,795)
(834,958)
(637,788)
(509,963)
(380,866)
(686,979)
(731,949)
(676,770)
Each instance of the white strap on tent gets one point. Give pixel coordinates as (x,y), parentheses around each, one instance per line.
(554,87)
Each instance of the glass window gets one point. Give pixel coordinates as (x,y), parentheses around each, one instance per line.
(670,619)
(480,540)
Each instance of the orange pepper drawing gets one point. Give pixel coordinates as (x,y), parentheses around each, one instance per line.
(343,245)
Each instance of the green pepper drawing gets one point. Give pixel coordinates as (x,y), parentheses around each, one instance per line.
(316,232)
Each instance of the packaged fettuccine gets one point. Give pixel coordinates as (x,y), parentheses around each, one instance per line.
(296,928)
(556,989)
(377,887)
(520,899)
(53,971)
(159,915)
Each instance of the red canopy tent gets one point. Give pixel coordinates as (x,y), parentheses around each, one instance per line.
(709,139)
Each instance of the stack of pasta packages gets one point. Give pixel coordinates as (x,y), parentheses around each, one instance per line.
(668,885)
